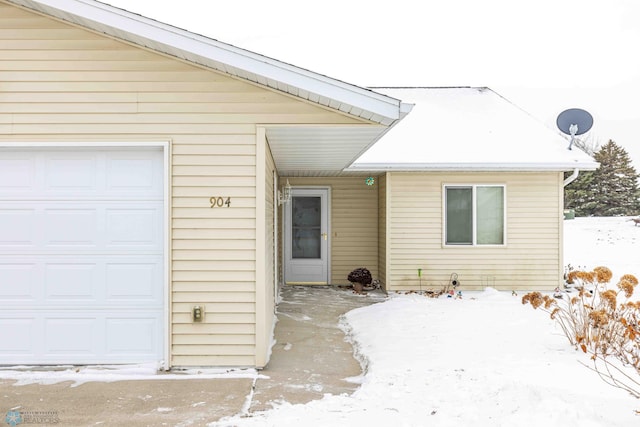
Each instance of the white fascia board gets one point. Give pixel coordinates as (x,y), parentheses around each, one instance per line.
(471,167)
(122,22)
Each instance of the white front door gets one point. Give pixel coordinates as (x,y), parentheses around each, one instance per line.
(306,237)
(81,255)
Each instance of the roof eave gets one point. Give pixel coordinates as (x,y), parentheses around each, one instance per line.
(472,167)
(223,57)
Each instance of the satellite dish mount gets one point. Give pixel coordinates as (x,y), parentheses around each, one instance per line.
(573,122)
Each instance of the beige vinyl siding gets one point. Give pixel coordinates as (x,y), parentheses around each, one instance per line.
(63,83)
(271,207)
(531,258)
(268,321)
(354,224)
(382,229)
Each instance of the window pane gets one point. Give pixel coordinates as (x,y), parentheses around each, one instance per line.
(306,223)
(490,215)
(459,216)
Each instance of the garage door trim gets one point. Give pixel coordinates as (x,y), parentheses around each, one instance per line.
(165,146)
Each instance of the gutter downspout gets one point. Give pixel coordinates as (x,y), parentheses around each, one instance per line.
(571,177)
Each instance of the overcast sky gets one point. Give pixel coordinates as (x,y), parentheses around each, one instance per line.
(544,55)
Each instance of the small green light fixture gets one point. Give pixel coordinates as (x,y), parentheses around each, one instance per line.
(370,181)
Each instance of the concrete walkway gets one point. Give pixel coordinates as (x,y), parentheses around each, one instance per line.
(310,358)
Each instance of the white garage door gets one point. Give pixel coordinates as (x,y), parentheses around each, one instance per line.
(81,256)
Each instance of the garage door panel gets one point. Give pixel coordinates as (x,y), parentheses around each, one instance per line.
(72,173)
(104,282)
(17,227)
(18,281)
(93,227)
(70,227)
(71,336)
(16,337)
(133,282)
(81,255)
(59,336)
(132,175)
(127,335)
(134,227)
(17,173)
(65,281)
(63,173)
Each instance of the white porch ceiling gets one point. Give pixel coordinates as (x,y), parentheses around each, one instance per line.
(319,150)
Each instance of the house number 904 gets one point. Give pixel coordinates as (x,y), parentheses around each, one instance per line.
(220,202)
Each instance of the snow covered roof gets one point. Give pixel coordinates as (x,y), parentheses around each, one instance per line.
(468,128)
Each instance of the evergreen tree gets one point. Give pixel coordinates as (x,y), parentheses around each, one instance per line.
(610,190)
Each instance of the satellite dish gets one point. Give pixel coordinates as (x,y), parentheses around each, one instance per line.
(574,121)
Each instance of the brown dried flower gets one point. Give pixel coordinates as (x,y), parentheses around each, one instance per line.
(630,278)
(602,274)
(586,276)
(610,298)
(533,298)
(548,301)
(599,318)
(626,287)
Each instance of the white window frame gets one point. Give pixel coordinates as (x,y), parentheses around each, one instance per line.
(474,206)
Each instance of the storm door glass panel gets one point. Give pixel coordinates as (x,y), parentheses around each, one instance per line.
(490,215)
(306,222)
(459,216)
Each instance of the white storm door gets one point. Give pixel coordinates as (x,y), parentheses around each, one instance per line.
(306,235)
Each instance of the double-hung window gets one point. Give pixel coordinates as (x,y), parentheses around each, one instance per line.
(474,214)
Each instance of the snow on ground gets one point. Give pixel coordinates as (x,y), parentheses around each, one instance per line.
(484,360)
(613,242)
(78,375)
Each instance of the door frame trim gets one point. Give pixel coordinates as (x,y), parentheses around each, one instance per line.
(329,241)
